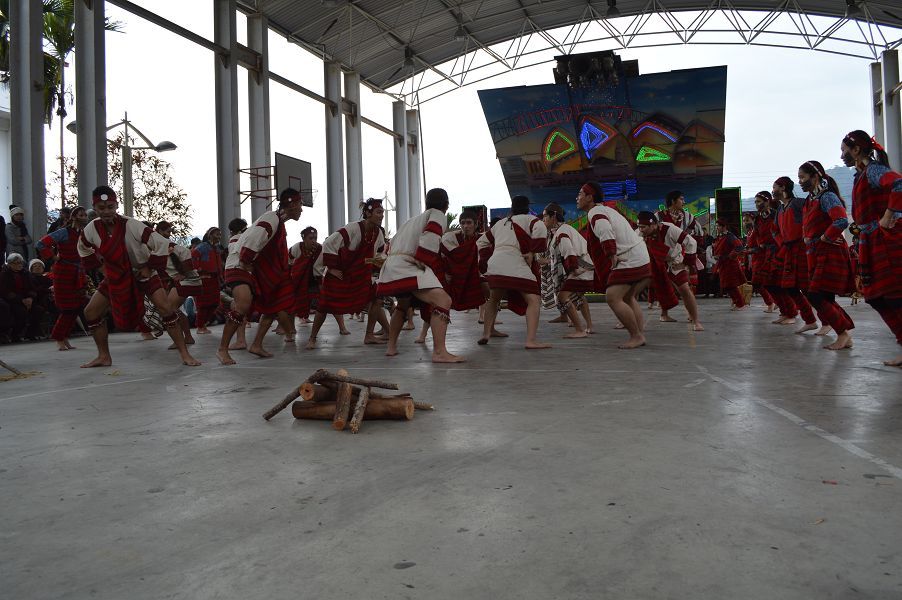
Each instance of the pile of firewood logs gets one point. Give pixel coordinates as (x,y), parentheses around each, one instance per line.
(346,401)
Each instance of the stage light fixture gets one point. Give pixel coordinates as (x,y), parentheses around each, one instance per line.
(852,9)
(613,11)
(460,34)
(408,58)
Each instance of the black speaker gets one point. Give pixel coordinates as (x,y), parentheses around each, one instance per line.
(728,206)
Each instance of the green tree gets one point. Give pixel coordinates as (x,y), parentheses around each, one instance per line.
(157,196)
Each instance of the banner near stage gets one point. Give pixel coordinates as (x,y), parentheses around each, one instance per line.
(640,136)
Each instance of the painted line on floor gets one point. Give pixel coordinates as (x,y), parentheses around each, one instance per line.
(438,367)
(846,445)
(84,387)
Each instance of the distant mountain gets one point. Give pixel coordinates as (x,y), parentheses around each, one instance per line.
(845,179)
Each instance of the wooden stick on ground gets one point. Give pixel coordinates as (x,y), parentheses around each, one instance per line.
(423,406)
(387,408)
(283,404)
(342,407)
(325,391)
(322,374)
(357,419)
(15,371)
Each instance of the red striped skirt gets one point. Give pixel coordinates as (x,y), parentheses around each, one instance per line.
(830,268)
(69,285)
(795,266)
(629,276)
(579,286)
(880,262)
(680,278)
(349,295)
(209,293)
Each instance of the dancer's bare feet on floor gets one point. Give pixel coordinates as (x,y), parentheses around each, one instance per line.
(697,327)
(344,332)
(147,336)
(896,362)
(619,326)
(633,342)
(259,351)
(843,341)
(409,326)
(560,319)
(391,351)
(190,361)
(311,344)
(537,345)
(372,339)
(496,333)
(238,346)
(420,340)
(224,357)
(667,319)
(64,345)
(100,361)
(824,330)
(576,334)
(202,331)
(483,341)
(807,327)
(447,357)
(785,321)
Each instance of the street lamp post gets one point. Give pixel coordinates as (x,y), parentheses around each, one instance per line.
(128,183)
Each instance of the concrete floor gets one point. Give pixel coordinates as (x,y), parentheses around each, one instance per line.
(697,467)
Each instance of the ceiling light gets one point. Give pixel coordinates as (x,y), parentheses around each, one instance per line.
(460,34)
(613,12)
(852,9)
(408,58)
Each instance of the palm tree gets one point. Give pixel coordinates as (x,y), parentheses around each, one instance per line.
(59,42)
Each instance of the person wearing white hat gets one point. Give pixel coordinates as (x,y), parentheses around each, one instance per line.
(18,241)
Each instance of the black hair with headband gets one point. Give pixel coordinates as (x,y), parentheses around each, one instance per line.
(368,205)
(307,230)
(554,209)
(869,146)
(288,196)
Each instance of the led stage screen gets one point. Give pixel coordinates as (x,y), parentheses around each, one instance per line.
(640,138)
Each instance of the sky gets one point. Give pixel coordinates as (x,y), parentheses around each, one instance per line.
(783,107)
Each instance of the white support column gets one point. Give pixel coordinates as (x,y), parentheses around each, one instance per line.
(892,117)
(335,187)
(258,115)
(90,97)
(877,100)
(414,158)
(26,62)
(226,99)
(353,143)
(399,124)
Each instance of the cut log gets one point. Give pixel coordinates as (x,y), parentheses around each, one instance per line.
(387,408)
(322,375)
(326,391)
(362,401)
(288,399)
(342,407)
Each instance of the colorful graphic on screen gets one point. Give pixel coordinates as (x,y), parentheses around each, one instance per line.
(640,138)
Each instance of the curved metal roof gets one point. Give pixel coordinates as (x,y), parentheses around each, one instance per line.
(389,41)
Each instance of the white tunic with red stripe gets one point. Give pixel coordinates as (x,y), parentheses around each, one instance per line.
(573,250)
(181,263)
(510,242)
(413,257)
(617,236)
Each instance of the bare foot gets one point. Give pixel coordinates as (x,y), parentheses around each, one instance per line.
(537,345)
(560,319)
(824,330)
(278,331)
(190,361)
(896,362)
(289,339)
(380,333)
(743,307)
(590,331)
(420,340)
(189,340)
(769,309)
(238,346)
(259,352)
(305,321)
(447,357)
(63,346)
(483,341)
(619,326)
(633,342)
(202,331)
(224,357)
(391,351)
(100,361)
(372,339)
(311,344)
(147,337)
(408,327)
(576,334)
(697,327)
(843,341)
(784,321)
(806,327)
(667,319)
(496,333)
(344,332)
